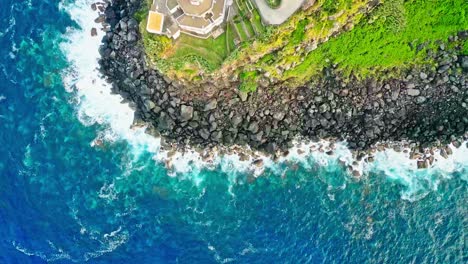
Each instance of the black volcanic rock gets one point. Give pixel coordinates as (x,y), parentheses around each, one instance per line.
(426,106)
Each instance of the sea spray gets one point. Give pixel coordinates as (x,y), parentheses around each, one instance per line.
(97,104)
(398,166)
(65,201)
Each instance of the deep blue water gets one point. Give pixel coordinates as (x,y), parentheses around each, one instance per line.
(62,200)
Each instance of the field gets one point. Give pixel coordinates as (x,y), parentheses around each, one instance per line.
(213,51)
(397,35)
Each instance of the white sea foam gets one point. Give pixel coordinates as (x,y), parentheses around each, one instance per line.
(96,104)
(50,257)
(419,182)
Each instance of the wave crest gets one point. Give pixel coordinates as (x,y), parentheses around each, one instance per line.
(95,104)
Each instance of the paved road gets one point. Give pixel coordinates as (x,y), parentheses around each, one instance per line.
(279,15)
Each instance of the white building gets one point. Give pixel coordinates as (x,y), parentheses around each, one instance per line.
(195,17)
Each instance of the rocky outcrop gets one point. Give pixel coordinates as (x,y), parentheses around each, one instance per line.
(426,106)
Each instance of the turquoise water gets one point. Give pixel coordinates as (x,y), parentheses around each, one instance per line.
(64,199)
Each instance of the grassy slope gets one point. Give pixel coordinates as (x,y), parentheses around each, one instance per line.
(240,31)
(257,22)
(186,52)
(278,40)
(389,39)
(212,50)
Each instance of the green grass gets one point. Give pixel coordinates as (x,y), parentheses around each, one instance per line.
(142,14)
(209,52)
(230,37)
(389,39)
(298,34)
(241,32)
(154,44)
(189,53)
(248,81)
(242,7)
(330,7)
(257,24)
(248,27)
(465,48)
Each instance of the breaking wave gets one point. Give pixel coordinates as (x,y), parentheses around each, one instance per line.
(95,104)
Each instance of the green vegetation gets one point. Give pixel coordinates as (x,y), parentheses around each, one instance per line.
(465,48)
(361,41)
(141,14)
(230,38)
(248,81)
(154,44)
(330,6)
(299,32)
(242,7)
(248,28)
(241,32)
(273,3)
(188,57)
(209,52)
(256,21)
(188,54)
(248,22)
(397,35)
(245,41)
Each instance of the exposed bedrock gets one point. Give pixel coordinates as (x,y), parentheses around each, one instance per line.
(425,107)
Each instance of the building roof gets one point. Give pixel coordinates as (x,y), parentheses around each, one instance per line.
(171,4)
(155,22)
(218,9)
(191,16)
(198,9)
(193,22)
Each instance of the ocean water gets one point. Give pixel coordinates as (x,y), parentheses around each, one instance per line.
(77,184)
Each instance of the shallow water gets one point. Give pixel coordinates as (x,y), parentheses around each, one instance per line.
(64,199)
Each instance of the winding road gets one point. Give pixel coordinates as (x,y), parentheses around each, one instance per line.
(278,15)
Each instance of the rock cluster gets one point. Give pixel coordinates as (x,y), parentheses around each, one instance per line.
(426,106)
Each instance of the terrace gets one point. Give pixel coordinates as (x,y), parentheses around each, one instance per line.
(193,53)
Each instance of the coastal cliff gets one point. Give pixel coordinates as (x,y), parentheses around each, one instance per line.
(425,106)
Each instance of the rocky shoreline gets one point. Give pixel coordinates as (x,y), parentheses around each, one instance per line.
(427,108)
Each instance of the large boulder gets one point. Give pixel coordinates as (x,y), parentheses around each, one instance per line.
(413,92)
(243,96)
(211,105)
(236,120)
(132,23)
(165,122)
(253,127)
(279,116)
(149,104)
(186,112)
(204,133)
(464,62)
(123,26)
(132,36)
